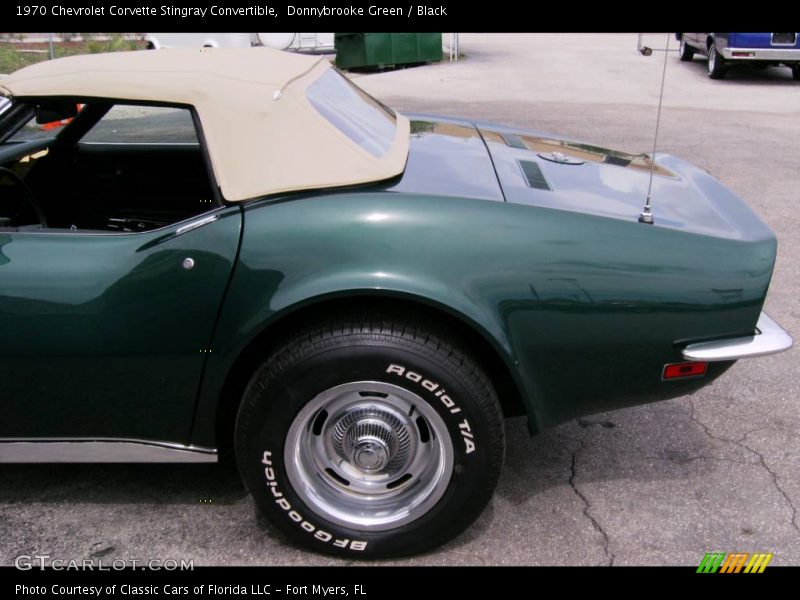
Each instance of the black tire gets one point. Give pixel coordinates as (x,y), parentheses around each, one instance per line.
(685,51)
(716,63)
(411,360)
(796,72)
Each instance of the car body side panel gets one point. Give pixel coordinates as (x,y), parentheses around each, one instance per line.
(757,40)
(698,40)
(585,310)
(105,335)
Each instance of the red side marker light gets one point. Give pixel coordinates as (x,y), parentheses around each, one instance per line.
(684,369)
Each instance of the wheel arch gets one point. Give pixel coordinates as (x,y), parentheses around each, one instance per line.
(488,350)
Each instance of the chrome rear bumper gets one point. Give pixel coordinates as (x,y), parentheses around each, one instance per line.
(769,338)
(776,54)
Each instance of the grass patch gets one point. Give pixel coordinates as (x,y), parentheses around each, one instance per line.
(12,59)
(14,56)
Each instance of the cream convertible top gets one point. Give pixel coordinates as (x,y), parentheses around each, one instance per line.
(258,145)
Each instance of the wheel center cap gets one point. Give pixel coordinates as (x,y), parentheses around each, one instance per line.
(370,455)
(372,440)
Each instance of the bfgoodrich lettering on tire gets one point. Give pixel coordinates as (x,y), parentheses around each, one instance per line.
(370,436)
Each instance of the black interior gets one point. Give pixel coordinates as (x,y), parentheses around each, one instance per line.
(124,187)
(120,188)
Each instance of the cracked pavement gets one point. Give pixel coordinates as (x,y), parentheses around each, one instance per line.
(650,485)
(586,504)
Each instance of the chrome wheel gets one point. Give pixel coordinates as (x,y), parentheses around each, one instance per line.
(712,58)
(369,455)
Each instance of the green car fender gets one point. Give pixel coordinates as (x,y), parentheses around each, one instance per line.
(311,251)
(582,311)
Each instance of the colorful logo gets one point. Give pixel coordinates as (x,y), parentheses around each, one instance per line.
(735,562)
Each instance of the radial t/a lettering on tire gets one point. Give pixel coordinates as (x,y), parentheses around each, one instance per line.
(370,436)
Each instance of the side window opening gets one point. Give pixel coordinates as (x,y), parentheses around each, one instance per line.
(138,168)
(128,124)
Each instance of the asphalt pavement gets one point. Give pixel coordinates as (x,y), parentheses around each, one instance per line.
(652,485)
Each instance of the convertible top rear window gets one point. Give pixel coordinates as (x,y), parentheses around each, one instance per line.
(356,114)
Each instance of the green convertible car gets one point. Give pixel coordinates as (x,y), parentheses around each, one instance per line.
(205,250)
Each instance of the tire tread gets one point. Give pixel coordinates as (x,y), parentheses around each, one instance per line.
(417,335)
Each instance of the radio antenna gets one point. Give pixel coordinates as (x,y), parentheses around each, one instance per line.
(647,213)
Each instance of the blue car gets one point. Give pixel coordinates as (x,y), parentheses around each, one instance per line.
(726,49)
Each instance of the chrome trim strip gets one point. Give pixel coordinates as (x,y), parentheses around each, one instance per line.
(89,450)
(92,233)
(777,54)
(769,338)
(195,224)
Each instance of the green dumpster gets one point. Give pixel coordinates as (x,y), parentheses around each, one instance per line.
(355,50)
